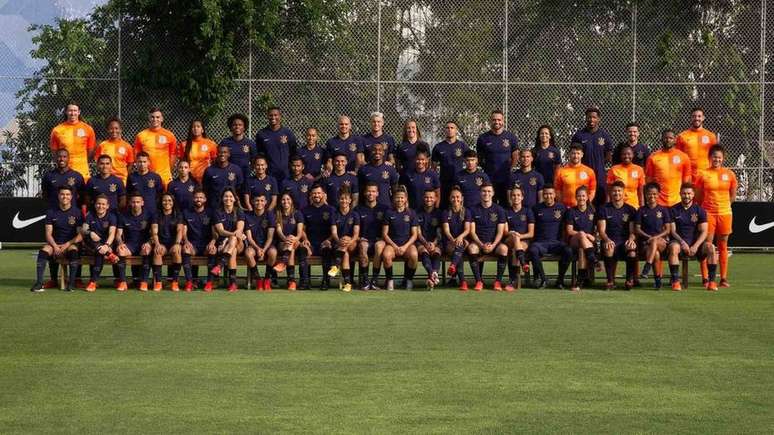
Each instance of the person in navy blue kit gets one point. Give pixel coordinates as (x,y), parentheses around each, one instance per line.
(457,221)
(183,187)
(581,235)
(242,149)
(498,150)
(260,226)
(339,178)
(521,229)
(228,225)
(400,230)
(99,232)
(486,237)
(689,237)
(62,238)
(640,150)
(377,135)
(369,246)
(197,238)
(221,176)
(144,181)
(298,184)
(447,157)
(62,175)
(420,178)
(133,238)
(345,232)
(430,220)
(290,234)
(378,171)
(318,219)
(527,179)
(615,224)
(652,225)
(263,183)
(277,143)
(166,237)
(547,157)
(597,150)
(471,179)
(105,183)
(407,150)
(347,143)
(313,154)
(549,215)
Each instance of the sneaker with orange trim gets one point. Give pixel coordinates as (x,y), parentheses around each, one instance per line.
(479,286)
(208,287)
(267,284)
(188,286)
(175,287)
(676,287)
(121,286)
(215,271)
(259,284)
(280,267)
(143,286)
(464,286)
(232,288)
(510,288)
(291,286)
(91,287)
(498,286)
(712,286)
(157,286)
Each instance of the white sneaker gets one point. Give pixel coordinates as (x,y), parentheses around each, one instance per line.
(333,271)
(434,278)
(390,285)
(347,287)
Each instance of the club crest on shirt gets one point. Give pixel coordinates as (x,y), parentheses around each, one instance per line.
(625,217)
(600,141)
(326,215)
(583,175)
(303,188)
(479,181)
(724,177)
(493,217)
(379,215)
(506,143)
(434,222)
(264,223)
(533,181)
(385,175)
(659,215)
(162,139)
(317,156)
(635,174)
(427,180)
(458,152)
(71,181)
(705,139)
(122,150)
(640,155)
(283,138)
(268,187)
(80,132)
(406,218)
(191,188)
(676,160)
(550,154)
(231,176)
(113,187)
(151,183)
(694,217)
(523,218)
(346,183)
(143,225)
(292,221)
(557,214)
(350,221)
(204,148)
(71,220)
(206,220)
(590,216)
(245,149)
(353,147)
(105,224)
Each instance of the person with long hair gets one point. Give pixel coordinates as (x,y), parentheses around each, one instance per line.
(345,232)
(166,237)
(547,156)
(521,229)
(228,228)
(183,187)
(581,235)
(75,136)
(198,149)
(527,179)
(410,144)
(260,227)
(290,233)
(456,223)
(400,230)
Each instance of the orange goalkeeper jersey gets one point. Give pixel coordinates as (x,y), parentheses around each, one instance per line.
(203,152)
(78,139)
(633,177)
(161,146)
(122,154)
(696,143)
(569,178)
(717,187)
(669,169)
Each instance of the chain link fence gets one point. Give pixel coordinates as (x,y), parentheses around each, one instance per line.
(437,60)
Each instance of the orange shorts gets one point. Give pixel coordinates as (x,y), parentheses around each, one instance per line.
(719,225)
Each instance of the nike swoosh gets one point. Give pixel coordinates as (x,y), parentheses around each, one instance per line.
(22,223)
(755,228)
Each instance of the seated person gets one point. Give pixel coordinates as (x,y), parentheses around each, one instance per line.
(197,239)
(259,226)
(370,246)
(521,228)
(457,221)
(290,233)
(615,224)
(399,233)
(428,246)
(581,234)
(486,237)
(318,219)
(652,225)
(166,236)
(99,233)
(133,238)
(345,232)
(548,237)
(689,237)
(228,227)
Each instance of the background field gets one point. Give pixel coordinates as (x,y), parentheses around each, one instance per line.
(541,361)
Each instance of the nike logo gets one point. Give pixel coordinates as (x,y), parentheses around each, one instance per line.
(755,228)
(22,223)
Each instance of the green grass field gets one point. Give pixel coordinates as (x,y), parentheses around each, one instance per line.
(532,361)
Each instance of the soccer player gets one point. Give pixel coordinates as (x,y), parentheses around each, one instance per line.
(277,143)
(242,149)
(133,238)
(548,237)
(62,175)
(447,157)
(640,150)
(120,151)
(340,178)
(574,175)
(290,233)
(159,144)
(346,143)
(228,226)
(669,168)
(105,183)
(521,228)
(498,149)
(652,225)
(260,226)
(631,175)
(198,149)
(145,182)
(261,183)
(298,183)
(527,179)
(166,237)
(75,136)
(696,142)
(689,237)
(62,238)
(380,172)
(547,156)
(615,224)
(369,246)
(183,187)
(409,146)
(197,239)
(429,219)
(99,232)
(457,221)
(377,135)
(345,232)
(597,146)
(581,235)
(717,186)
(400,230)
(313,154)
(419,177)
(471,179)
(318,219)
(486,234)
(221,176)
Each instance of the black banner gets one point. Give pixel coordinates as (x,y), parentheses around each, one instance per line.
(753,225)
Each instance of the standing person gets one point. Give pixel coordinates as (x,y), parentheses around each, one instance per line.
(498,149)
(615,224)
(689,237)
(120,152)
(347,143)
(400,230)
(297,184)
(717,186)
(167,236)
(486,234)
(548,237)
(105,183)
(133,238)
(547,156)
(377,135)
(221,176)
(345,232)
(574,175)
(198,240)
(260,226)
(410,145)
(99,232)
(527,179)
(631,175)
(652,225)
(339,178)
(145,182)
(581,234)
(370,246)
(640,150)
(669,168)
(380,172)
(597,146)
(62,175)
(312,154)
(62,238)
(183,187)
(198,149)
(318,219)
(159,144)
(228,225)
(242,149)
(261,183)
(77,137)
(696,142)
(290,233)
(521,228)
(471,179)
(277,143)
(447,157)
(419,178)
(457,221)
(429,218)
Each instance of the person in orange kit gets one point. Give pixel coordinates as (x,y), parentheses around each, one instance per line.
(573,175)
(77,137)
(631,175)
(121,153)
(670,168)
(198,149)
(717,186)
(160,144)
(696,142)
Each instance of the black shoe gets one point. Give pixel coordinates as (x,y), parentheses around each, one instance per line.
(541,283)
(37,288)
(657,283)
(305,285)
(325,285)
(645,272)
(559,284)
